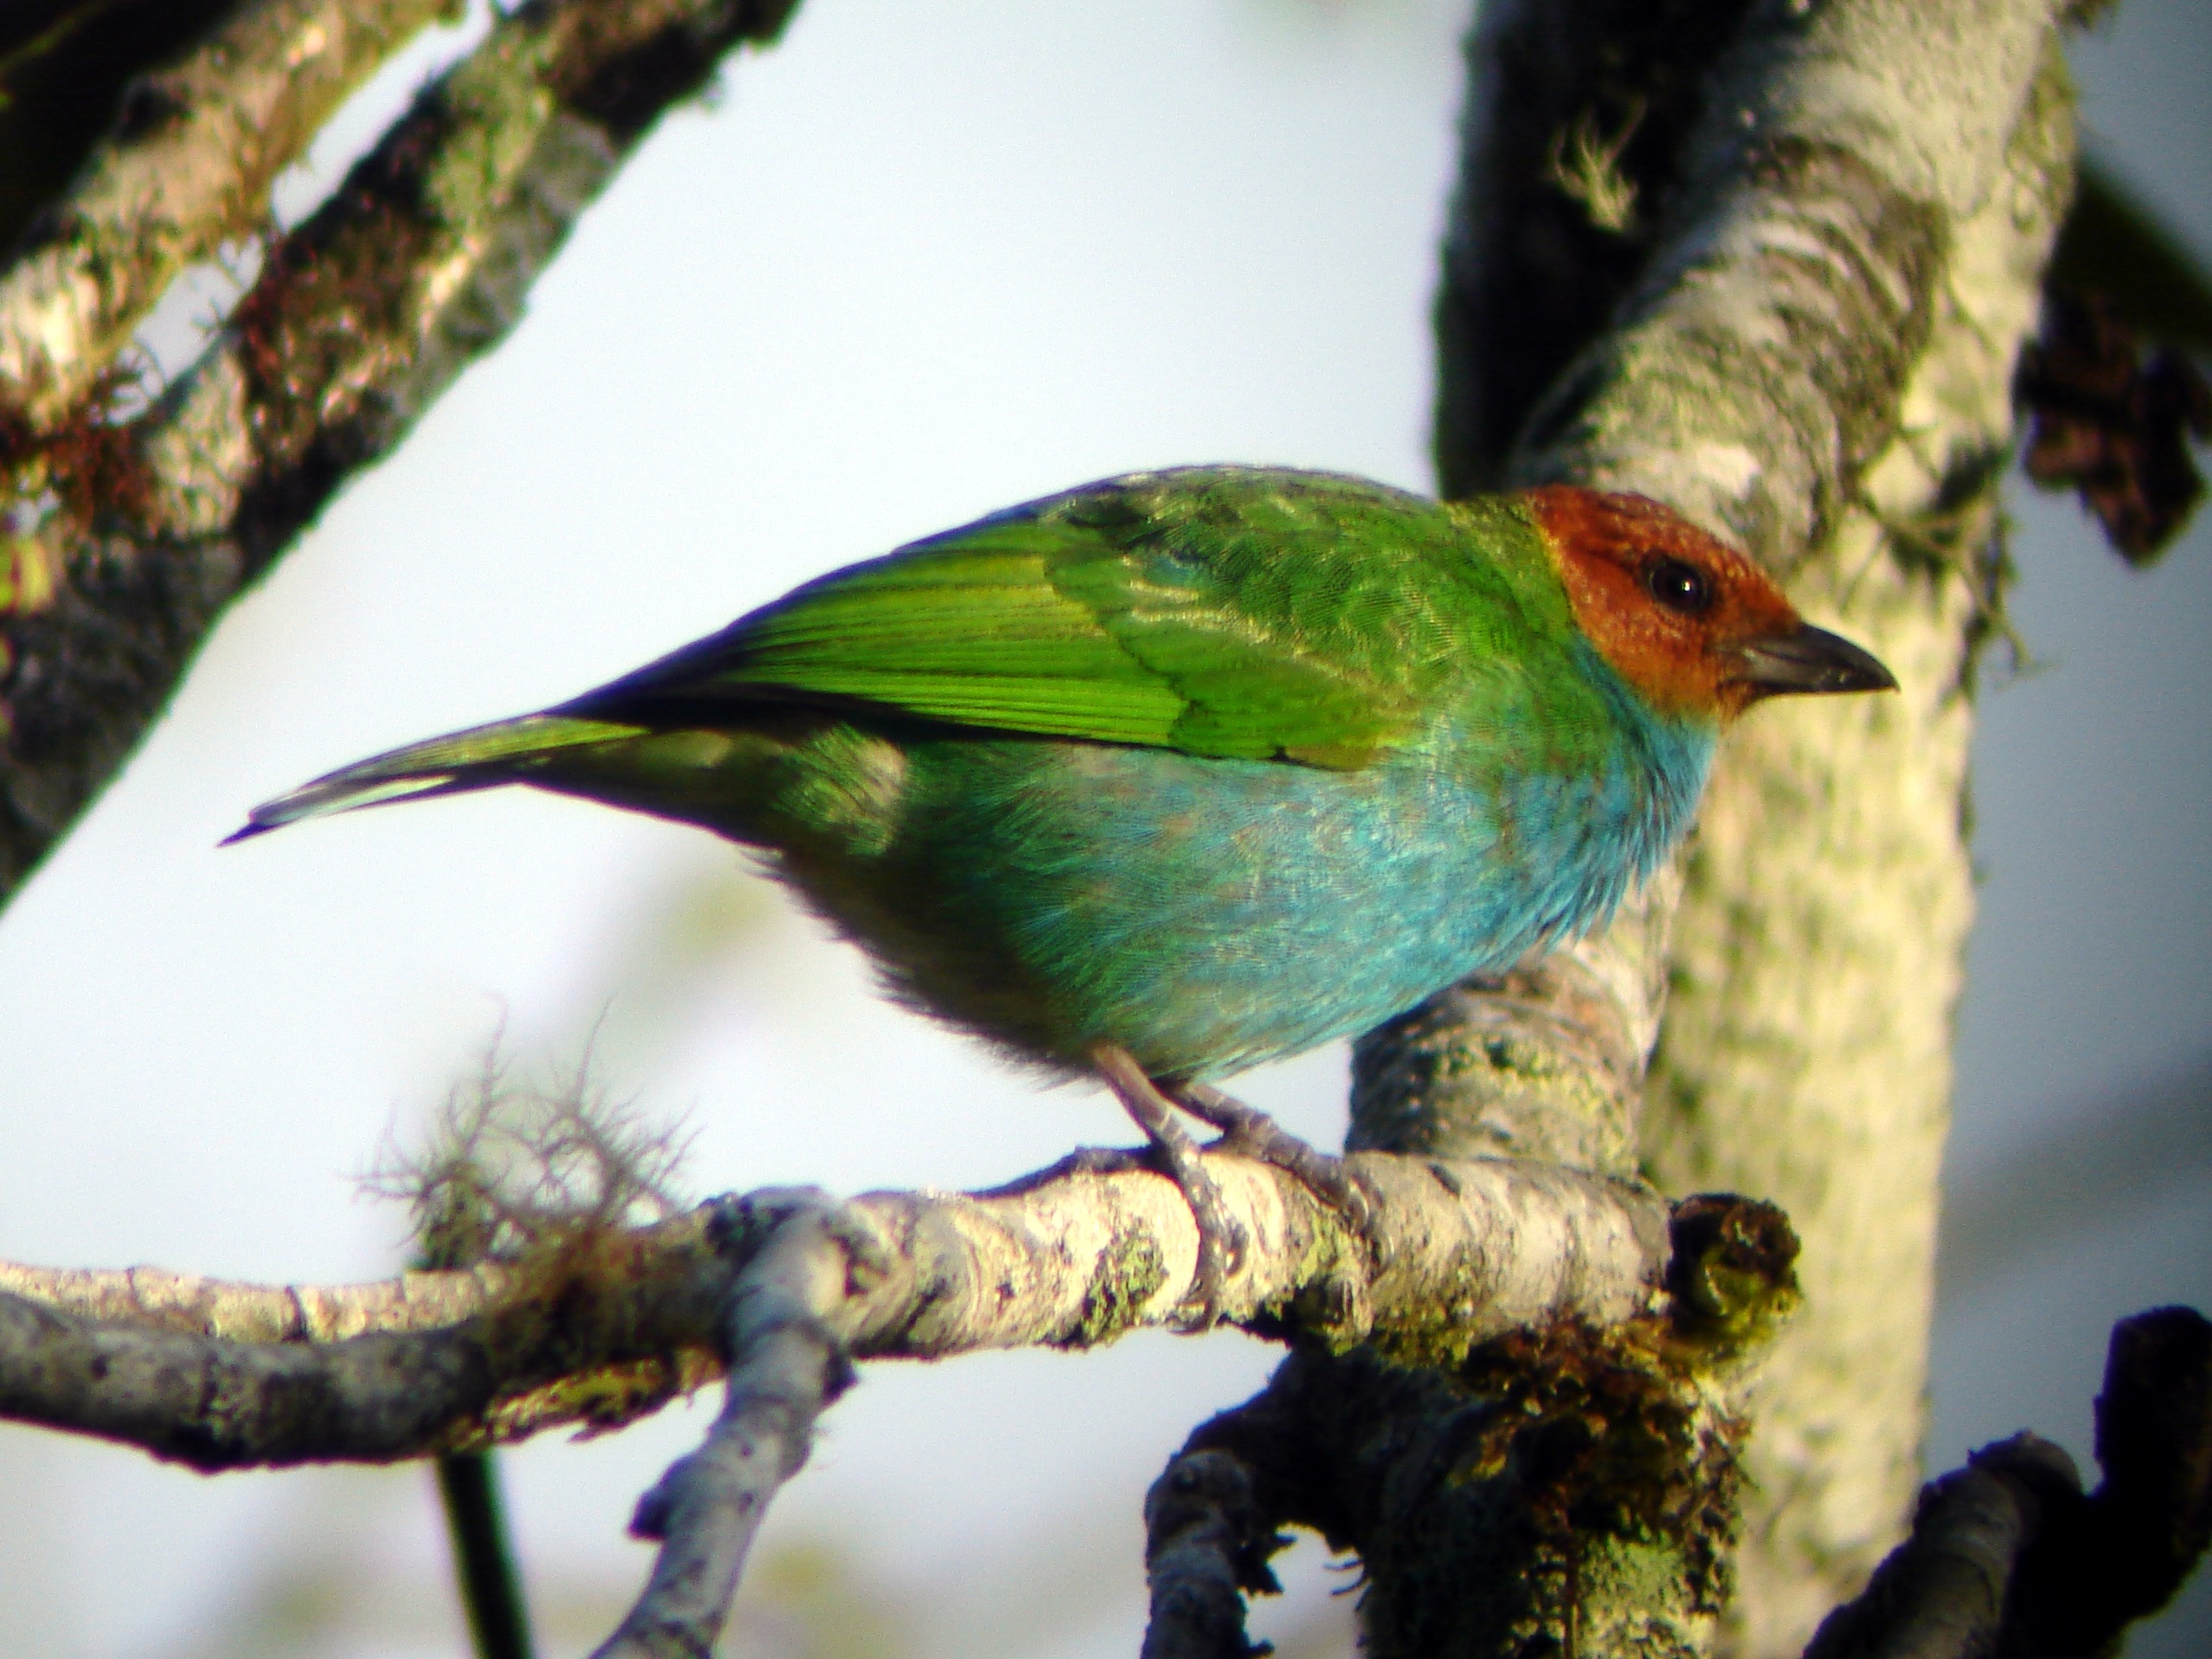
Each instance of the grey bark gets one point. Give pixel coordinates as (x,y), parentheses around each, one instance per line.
(128,537)
(786,1363)
(1806,341)
(607,1325)
(1817,957)
(189,168)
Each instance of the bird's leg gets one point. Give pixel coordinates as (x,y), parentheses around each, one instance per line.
(1220,1239)
(1251,1131)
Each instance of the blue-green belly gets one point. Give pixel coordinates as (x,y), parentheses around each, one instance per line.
(1210,915)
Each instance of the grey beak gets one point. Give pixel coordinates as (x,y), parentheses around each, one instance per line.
(1811,660)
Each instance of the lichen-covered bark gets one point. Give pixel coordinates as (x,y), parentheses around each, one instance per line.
(1808,334)
(198,146)
(1529,278)
(65,66)
(1560,1486)
(1562,1489)
(604,1325)
(1819,950)
(121,541)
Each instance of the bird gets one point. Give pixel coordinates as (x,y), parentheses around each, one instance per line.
(1175,773)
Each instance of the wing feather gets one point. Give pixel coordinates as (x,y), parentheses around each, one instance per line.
(1244,613)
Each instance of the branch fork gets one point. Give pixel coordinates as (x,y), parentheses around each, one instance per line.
(782,1291)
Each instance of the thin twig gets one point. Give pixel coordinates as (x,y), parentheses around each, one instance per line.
(451,1226)
(483,1556)
(786,1363)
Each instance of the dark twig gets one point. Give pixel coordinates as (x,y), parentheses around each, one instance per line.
(484,1559)
(1941,1595)
(2009,1558)
(485,1571)
(2115,421)
(1207,1542)
(2120,1555)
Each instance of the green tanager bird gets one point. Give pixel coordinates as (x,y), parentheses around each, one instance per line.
(1176,772)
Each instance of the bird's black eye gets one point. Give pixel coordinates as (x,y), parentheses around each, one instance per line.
(1679,586)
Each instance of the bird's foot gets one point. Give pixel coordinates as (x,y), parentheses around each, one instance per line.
(1222,1241)
(1248,1130)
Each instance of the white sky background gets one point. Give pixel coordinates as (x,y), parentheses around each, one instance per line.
(923,260)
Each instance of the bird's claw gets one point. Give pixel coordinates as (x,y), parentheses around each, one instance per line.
(1248,1130)
(1222,1241)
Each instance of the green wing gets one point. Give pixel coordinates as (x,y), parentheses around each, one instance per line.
(1225,611)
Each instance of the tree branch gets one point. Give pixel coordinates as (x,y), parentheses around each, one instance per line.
(64,67)
(1207,1542)
(2009,1557)
(188,168)
(1941,1595)
(606,1326)
(1815,168)
(1560,1477)
(129,537)
(1818,955)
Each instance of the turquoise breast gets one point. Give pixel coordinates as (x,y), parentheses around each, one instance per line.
(1211,915)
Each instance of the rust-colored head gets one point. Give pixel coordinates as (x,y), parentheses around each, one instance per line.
(1691,623)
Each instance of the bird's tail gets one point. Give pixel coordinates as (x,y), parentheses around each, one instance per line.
(504,752)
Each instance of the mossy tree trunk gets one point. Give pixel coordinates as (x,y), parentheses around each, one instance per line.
(1805,332)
